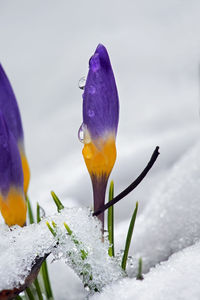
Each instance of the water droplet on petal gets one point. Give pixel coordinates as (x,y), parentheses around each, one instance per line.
(81,133)
(81,83)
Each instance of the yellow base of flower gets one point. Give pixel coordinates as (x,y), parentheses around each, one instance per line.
(100,160)
(26,171)
(13,208)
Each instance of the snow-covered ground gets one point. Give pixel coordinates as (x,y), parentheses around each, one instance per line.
(154,49)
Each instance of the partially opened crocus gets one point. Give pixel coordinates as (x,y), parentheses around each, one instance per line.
(10,111)
(100,122)
(12,200)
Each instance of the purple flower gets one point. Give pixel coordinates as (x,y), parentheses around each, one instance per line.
(100,98)
(10,111)
(100,122)
(12,200)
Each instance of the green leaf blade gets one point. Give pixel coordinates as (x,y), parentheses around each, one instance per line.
(30,211)
(57,201)
(129,237)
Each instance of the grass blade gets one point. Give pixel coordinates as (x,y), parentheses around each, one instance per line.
(36,282)
(139,275)
(47,285)
(84,254)
(18,297)
(57,201)
(38,290)
(128,238)
(29,293)
(38,213)
(30,211)
(111,251)
(51,229)
(69,231)
(44,268)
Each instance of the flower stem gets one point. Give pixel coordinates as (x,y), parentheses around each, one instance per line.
(111,251)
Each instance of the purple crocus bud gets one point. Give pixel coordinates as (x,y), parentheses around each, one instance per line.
(100,122)
(12,200)
(10,110)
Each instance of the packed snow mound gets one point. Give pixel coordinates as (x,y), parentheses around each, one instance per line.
(83,250)
(19,248)
(176,279)
(170,221)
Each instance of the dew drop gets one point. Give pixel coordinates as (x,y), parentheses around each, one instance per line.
(81,133)
(91,113)
(81,83)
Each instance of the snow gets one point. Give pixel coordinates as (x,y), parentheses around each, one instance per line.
(177,279)
(170,220)
(154,50)
(90,255)
(18,250)
(83,250)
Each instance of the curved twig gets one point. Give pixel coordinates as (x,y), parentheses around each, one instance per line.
(11,294)
(132,186)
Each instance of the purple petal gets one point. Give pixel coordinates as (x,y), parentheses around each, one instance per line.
(100,97)
(9,107)
(11,173)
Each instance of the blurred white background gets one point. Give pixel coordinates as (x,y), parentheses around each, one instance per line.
(154,49)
